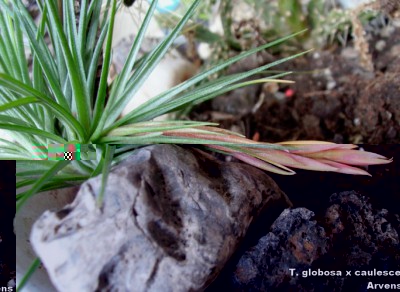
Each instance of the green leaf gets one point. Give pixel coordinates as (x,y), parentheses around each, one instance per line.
(33,131)
(20,52)
(32,269)
(203,34)
(38,165)
(80,92)
(123,77)
(158,138)
(18,102)
(26,113)
(205,92)
(94,25)
(92,72)
(59,165)
(6,28)
(11,144)
(114,109)
(83,26)
(102,90)
(59,110)
(156,126)
(42,52)
(108,157)
(158,101)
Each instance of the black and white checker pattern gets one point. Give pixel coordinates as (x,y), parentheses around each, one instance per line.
(68,156)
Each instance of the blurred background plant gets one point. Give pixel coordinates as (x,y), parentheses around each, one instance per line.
(227,26)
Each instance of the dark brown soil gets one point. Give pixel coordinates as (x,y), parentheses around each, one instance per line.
(334,98)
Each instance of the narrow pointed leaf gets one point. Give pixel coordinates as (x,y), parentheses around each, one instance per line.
(40,182)
(352,157)
(17,103)
(314,146)
(346,169)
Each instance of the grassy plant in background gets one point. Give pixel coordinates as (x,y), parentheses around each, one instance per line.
(326,21)
(50,94)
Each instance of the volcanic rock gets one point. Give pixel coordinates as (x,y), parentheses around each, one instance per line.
(306,253)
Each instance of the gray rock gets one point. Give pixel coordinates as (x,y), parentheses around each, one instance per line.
(294,242)
(171,219)
(371,235)
(351,236)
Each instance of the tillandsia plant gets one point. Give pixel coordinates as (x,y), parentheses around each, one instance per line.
(58,98)
(51,93)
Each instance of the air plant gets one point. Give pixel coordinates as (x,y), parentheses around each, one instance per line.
(50,93)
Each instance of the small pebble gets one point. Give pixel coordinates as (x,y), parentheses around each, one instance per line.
(316,55)
(380,45)
(387,31)
(395,51)
(328,72)
(331,85)
(279,95)
(349,53)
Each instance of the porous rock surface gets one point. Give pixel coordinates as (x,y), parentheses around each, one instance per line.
(171,219)
(352,236)
(294,242)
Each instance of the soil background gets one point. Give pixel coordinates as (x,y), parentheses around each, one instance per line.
(333,98)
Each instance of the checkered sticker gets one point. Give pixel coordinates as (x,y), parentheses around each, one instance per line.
(65,152)
(68,156)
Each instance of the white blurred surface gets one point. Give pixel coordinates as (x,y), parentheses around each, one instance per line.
(23,222)
(350,4)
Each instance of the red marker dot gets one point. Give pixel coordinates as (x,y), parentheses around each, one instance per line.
(289,92)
